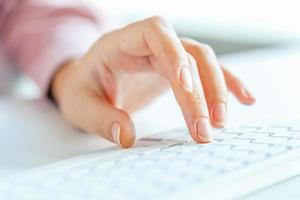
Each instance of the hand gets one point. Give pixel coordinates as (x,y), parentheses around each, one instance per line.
(126,68)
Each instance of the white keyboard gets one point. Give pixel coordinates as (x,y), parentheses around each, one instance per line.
(161,166)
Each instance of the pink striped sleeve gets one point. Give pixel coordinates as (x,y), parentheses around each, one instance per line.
(41,37)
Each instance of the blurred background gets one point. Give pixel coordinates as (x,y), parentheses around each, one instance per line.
(228,26)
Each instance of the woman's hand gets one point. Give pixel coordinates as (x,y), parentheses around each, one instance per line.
(127,68)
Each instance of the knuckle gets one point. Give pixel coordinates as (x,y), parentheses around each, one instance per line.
(189,41)
(158,22)
(107,36)
(206,49)
(176,60)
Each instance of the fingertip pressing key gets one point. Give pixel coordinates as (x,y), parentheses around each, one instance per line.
(115,132)
(219,114)
(203,130)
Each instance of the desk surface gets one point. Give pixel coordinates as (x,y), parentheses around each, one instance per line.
(33,133)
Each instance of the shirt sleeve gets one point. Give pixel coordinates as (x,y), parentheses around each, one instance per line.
(41,37)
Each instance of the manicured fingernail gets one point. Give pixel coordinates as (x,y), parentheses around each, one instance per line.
(219,114)
(204,130)
(115,132)
(249,96)
(185,78)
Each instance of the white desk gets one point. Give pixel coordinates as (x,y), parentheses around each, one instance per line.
(273,75)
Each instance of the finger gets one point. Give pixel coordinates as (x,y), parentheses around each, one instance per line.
(212,79)
(172,62)
(94,114)
(238,88)
(193,103)
(156,39)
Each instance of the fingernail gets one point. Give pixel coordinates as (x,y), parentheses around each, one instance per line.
(249,96)
(204,130)
(219,114)
(185,78)
(115,132)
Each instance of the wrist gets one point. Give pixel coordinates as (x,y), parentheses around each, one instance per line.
(59,81)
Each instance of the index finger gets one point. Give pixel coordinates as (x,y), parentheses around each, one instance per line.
(156,39)
(170,60)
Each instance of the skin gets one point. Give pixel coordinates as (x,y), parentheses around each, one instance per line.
(127,68)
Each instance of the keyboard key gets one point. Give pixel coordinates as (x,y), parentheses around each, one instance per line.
(288,134)
(295,128)
(254,135)
(243,156)
(184,138)
(223,164)
(292,132)
(212,147)
(270,140)
(294,144)
(160,155)
(275,150)
(251,147)
(234,142)
(158,165)
(236,131)
(163,144)
(193,156)
(272,129)
(180,148)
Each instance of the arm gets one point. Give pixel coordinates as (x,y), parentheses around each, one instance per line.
(96,89)
(40,37)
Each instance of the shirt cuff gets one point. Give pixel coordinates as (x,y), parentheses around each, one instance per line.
(70,41)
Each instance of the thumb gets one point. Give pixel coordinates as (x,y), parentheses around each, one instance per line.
(95,114)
